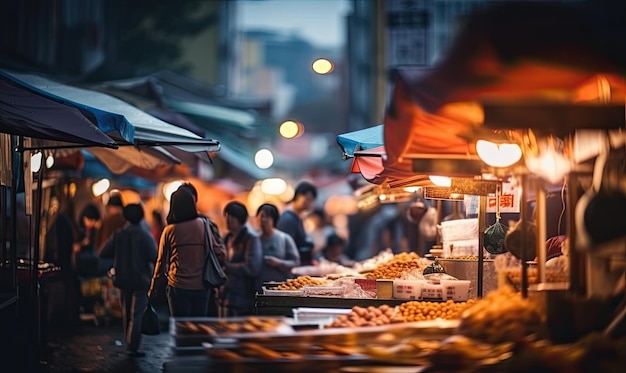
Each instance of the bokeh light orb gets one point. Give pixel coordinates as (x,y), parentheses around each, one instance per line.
(289,129)
(264,159)
(322,66)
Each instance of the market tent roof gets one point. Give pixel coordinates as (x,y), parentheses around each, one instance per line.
(498,53)
(241,128)
(113,124)
(25,113)
(502,71)
(151,135)
(363,139)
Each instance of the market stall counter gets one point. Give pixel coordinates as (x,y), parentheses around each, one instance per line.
(284,306)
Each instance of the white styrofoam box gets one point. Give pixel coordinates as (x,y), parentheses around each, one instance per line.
(459,230)
(457,290)
(304,314)
(431,291)
(407,289)
(323,291)
(460,248)
(284,293)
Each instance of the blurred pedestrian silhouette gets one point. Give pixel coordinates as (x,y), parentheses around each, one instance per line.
(243,264)
(134,253)
(291,219)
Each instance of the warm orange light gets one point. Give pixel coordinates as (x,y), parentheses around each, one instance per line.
(289,129)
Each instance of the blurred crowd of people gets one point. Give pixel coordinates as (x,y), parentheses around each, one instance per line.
(150,258)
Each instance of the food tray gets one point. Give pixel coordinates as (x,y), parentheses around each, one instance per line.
(324,291)
(345,337)
(233,359)
(283,293)
(187,332)
(304,314)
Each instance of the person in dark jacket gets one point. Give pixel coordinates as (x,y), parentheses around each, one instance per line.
(291,220)
(134,253)
(244,261)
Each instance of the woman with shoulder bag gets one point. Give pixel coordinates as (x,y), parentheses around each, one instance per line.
(182,253)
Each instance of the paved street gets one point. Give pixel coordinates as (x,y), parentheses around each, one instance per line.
(90,348)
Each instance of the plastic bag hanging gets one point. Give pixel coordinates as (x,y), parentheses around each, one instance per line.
(495,234)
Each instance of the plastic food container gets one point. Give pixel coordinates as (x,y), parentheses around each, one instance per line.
(305,314)
(405,289)
(283,293)
(432,291)
(384,289)
(323,291)
(457,290)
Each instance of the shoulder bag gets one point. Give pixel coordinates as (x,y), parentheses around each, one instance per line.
(213,275)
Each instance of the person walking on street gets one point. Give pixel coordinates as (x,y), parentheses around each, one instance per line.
(218,245)
(291,219)
(182,252)
(280,253)
(134,254)
(244,262)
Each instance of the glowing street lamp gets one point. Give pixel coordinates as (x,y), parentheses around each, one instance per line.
(264,159)
(290,129)
(322,66)
(498,154)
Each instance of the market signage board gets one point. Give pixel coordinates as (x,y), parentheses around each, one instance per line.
(407,31)
(509,201)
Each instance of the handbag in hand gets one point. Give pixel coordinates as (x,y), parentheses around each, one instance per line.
(150,321)
(213,275)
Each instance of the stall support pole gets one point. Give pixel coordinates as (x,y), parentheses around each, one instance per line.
(482,210)
(523,238)
(35,296)
(540,217)
(577,272)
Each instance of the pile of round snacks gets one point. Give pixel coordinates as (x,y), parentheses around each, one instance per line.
(394,268)
(299,282)
(370,316)
(463,257)
(420,311)
(502,316)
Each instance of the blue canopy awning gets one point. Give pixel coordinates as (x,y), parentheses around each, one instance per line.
(150,137)
(367,138)
(29,114)
(113,124)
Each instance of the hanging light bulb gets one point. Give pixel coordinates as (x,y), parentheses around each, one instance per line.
(498,154)
(550,163)
(273,186)
(35,162)
(49,161)
(99,187)
(170,188)
(442,181)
